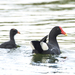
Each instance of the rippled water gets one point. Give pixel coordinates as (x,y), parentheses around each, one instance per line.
(34,20)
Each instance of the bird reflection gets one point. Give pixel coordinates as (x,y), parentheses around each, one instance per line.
(44,58)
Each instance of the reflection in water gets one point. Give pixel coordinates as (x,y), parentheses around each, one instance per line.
(48,60)
(44,58)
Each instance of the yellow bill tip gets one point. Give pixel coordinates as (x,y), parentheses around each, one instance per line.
(65,34)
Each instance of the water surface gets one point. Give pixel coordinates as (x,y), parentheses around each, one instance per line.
(34,20)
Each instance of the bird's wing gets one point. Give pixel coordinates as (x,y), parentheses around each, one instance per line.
(44,39)
(7,45)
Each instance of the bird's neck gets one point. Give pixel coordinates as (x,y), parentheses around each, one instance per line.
(12,37)
(53,40)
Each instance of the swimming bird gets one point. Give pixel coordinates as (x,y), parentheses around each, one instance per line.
(11,43)
(50,47)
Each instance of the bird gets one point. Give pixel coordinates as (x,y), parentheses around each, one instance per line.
(50,47)
(11,43)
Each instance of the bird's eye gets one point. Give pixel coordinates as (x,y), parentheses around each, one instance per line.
(57,28)
(14,31)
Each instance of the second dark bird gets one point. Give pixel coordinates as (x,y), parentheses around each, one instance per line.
(11,43)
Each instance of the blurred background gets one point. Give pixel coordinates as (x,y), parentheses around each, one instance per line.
(34,19)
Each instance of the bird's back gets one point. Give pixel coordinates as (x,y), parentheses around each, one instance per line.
(9,45)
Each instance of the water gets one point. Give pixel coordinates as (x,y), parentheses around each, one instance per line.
(34,20)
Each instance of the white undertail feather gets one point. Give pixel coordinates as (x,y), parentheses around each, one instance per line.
(32,45)
(44,46)
(47,39)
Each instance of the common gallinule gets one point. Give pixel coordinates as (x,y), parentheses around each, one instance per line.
(50,47)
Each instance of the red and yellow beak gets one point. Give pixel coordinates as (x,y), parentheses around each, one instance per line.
(62,32)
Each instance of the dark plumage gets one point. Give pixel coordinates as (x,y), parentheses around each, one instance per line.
(52,47)
(11,43)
